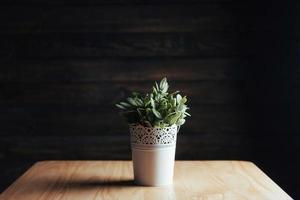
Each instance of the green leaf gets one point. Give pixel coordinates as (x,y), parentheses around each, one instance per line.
(165,89)
(125,104)
(178,98)
(147,123)
(157,123)
(120,106)
(181,108)
(172,113)
(157,88)
(139,101)
(152,103)
(131,101)
(154,90)
(147,103)
(156,113)
(173,101)
(180,122)
(183,100)
(163,85)
(173,118)
(162,82)
(188,114)
(141,113)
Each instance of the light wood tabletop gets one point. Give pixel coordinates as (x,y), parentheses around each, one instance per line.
(91,180)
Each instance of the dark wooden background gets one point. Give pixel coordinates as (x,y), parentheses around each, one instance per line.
(64,63)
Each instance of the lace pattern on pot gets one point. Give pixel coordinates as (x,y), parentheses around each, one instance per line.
(153,136)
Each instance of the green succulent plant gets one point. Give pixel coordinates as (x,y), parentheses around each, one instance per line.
(156,109)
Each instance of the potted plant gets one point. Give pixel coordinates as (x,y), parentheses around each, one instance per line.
(154,120)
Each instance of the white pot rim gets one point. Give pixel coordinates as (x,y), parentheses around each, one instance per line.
(152,137)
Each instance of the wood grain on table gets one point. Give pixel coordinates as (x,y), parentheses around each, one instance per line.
(91,180)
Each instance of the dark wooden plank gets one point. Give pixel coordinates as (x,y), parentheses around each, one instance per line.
(123,70)
(31,121)
(132,18)
(88,147)
(189,146)
(94,45)
(109,92)
(108,2)
(202,146)
(57,147)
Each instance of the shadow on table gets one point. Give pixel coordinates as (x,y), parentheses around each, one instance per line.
(49,184)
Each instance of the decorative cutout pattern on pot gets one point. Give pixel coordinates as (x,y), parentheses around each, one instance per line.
(149,136)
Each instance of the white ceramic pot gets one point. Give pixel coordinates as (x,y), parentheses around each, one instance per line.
(153,154)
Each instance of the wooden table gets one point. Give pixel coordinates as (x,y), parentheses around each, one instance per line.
(195,180)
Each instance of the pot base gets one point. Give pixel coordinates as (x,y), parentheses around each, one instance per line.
(153,167)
